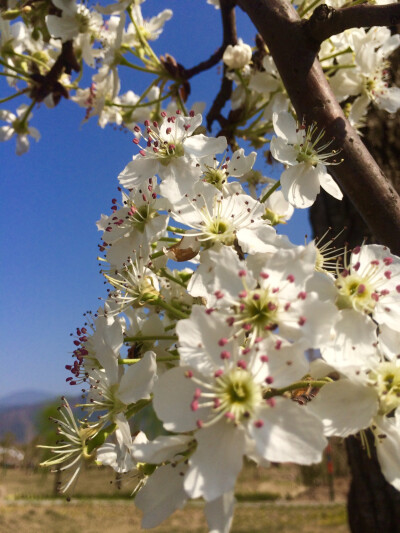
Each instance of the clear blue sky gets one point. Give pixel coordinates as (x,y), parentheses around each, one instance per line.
(52,196)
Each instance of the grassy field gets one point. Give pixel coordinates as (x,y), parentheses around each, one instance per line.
(270,501)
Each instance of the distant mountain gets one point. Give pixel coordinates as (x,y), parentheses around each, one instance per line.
(19,413)
(25,397)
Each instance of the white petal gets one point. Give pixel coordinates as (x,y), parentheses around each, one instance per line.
(289,433)
(328,184)
(162,495)
(388,448)
(300,185)
(161,449)
(344,407)
(173,395)
(219,513)
(137,382)
(201,146)
(283,152)
(285,126)
(240,163)
(137,171)
(217,461)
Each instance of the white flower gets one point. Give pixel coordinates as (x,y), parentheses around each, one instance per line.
(307,161)
(221,390)
(18,125)
(75,19)
(266,296)
(370,283)
(238,55)
(171,149)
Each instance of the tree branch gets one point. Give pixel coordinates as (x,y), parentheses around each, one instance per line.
(229,37)
(295,57)
(326,21)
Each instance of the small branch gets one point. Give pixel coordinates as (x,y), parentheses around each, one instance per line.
(326,21)
(229,37)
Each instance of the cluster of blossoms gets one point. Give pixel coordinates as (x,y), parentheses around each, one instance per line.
(40,52)
(189,371)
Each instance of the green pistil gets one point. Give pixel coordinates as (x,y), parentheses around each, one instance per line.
(354,292)
(259,309)
(142,216)
(169,151)
(216,177)
(238,393)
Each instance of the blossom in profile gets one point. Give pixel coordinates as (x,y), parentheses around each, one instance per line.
(301,150)
(18,125)
(237,56)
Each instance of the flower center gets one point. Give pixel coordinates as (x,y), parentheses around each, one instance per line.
(258,310)
(216,177)
(386,380)
(221,230)
(355,292)
(237,394)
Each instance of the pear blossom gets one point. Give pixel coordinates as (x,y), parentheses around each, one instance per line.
(237,56)
(18,125)
(299,149)
(170,149)
(75,19)
(218,392)
(267,296)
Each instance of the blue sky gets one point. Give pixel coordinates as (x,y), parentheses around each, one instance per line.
(52,196)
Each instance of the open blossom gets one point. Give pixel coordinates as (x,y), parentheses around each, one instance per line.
(266,296)
(307,160)
(170,149)
(75,19)
(18,125)
(219,392)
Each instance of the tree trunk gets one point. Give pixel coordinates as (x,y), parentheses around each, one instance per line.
(373,504)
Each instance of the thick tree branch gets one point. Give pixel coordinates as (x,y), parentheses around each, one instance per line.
(295,57)
(326,21)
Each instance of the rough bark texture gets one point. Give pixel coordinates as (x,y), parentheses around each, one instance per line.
(373,504)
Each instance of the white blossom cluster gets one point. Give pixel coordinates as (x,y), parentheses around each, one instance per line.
(207,365)
(108,39)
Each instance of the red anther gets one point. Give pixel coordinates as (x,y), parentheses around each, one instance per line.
(278,344)
(114,208)
(217,403)
(168,131)
(136,141)
(388,274)
(256,296)
(356,250)
(147,123)
(77,343)
(218,294)
(361,288)
(197,393)
(271,402)
(302,295)
(356,267)
(186,127)
(242,364)
(242,294)
(218,373)
(242,273)
(247,327)
(290,278)
(245,351)
(375,262)
(191,113)
(287,306)
(178,112)
(264,275)
(137,129)
(148,143)
(142,152)
(230,320)
(398,288)
(230,416)
(163,114)
(155,124)
(388,261)
(155,150)
(271,306)
(225,354)
(375,296)
(302,321)
(258,423)
(199,424)
(264,358)
(210,310)
(84,330)
(188,374)
(223,341)
(194,405)
(269,380)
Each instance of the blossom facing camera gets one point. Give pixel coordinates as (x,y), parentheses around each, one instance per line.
(237,56)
